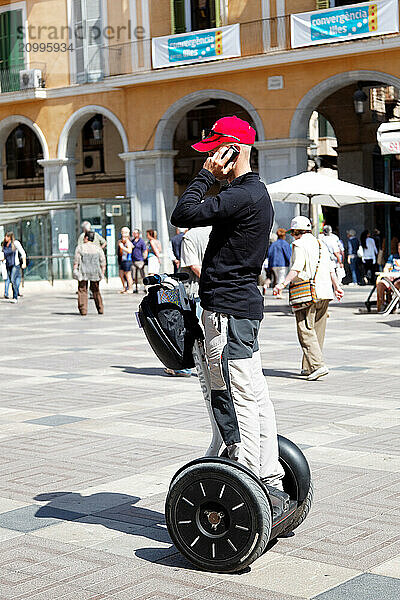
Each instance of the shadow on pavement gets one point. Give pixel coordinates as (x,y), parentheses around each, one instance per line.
(115,511)
(141,370)
(286,374)
(392,323)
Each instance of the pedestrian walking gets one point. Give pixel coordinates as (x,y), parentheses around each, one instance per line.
(89,266)
(194,245)
(353,246)
(15,260)
(311,262)
(139,255)
(279,255)
(369,252)
(332,242)
(241,217)
(125,248)
(153,252)
(174,247)
(98,239)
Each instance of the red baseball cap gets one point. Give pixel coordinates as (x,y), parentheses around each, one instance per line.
(227,130)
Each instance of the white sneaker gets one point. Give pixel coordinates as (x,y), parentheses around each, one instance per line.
(352,284)
(13,301)
(317,374)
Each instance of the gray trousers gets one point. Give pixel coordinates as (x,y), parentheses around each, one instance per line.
(311,325)
(239,394)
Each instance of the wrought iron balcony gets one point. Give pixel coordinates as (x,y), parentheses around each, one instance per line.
(22,77)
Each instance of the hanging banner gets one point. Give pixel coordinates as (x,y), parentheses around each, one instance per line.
(344,23)
(196,47)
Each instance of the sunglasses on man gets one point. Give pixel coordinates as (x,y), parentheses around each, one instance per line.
(206,133)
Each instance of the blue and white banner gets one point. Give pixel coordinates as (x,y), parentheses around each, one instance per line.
(196,46)
(344,23)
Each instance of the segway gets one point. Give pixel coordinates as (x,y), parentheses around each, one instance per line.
(219,514)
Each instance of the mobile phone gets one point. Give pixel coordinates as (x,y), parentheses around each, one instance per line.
(235,154)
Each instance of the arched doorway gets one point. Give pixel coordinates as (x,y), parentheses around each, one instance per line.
(22,143)
(187,161)
(358,157)
(154,188)
(91,143)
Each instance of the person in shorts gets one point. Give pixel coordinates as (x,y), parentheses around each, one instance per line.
(139,254)
(125,248)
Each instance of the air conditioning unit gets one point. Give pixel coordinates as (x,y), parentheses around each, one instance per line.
(116,210)
(30,78)
(92,161)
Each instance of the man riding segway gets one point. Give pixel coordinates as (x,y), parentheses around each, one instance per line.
(221,510)
(241,217)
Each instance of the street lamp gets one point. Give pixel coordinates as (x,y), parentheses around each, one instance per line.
(359,99)
(97,128)
(313,148)
(19,138)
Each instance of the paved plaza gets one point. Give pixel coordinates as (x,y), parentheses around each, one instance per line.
(91,431)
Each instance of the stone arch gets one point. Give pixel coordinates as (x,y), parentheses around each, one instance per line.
(299,124)
(170,119)
(71,129)
(11,122)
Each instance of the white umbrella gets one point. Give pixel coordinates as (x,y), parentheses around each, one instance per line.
(315,188)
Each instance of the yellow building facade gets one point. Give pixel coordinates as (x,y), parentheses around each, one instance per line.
(84,113)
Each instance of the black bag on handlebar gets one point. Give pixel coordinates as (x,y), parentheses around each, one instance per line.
(169,320)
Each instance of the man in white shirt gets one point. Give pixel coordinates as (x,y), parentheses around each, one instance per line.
(311,259)
(194,244)
(331,241)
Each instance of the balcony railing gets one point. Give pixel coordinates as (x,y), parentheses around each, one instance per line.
(13,79)
(256,37)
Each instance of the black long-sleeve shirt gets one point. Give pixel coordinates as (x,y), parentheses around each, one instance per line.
(241,217)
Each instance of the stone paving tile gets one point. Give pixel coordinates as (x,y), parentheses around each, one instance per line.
(367,587)
(236,591)
(390,568)
(30,518)
(55,420)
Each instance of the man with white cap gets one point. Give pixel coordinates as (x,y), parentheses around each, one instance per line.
(311,260)
(241,217)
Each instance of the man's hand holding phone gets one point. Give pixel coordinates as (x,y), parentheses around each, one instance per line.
(220,164)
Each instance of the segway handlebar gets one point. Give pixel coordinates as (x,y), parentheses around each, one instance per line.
(159,278)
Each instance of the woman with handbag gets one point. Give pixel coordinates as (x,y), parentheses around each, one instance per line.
(313,284)
(15,259)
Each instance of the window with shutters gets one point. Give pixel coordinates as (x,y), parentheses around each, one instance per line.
(11,55)
(194,15)
(87,34)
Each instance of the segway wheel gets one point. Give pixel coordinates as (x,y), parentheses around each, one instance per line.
(297,481)
(218,516)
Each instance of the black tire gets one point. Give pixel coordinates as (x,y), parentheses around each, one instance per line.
(218,516)
(301,512)
(297,481)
